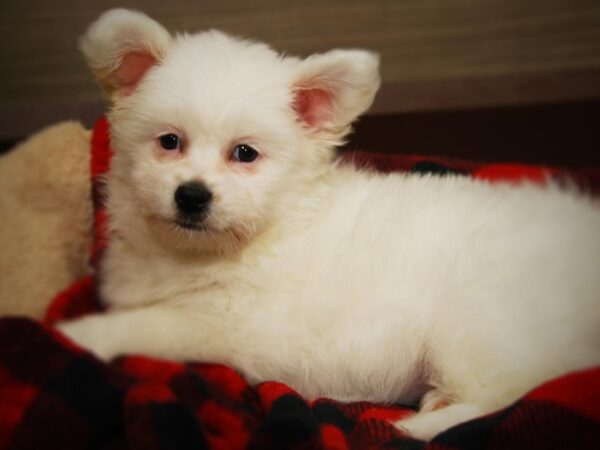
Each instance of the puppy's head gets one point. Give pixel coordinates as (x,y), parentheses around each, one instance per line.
(215,136)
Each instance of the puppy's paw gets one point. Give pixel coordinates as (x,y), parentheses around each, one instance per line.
(425,425)
(87,334)
(420,426)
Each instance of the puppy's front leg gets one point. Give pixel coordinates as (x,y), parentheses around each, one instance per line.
(153,331)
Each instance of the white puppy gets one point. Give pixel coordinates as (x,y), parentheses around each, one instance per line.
(236,238)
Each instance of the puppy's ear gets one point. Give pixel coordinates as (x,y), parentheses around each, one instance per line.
(121,46)
(334,88)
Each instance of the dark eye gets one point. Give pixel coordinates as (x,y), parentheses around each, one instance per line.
(170,141)
(244,153)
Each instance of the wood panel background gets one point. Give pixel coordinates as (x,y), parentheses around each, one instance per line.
(437,54)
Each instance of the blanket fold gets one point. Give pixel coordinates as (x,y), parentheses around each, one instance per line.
(56,396)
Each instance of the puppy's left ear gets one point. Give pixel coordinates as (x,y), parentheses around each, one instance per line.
(333,89)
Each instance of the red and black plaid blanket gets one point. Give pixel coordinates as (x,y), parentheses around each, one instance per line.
(54,395)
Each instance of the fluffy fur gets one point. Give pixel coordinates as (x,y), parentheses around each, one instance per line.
(340,282)
(46,210)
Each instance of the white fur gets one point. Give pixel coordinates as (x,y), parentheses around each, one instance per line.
(340,282)
(118,31)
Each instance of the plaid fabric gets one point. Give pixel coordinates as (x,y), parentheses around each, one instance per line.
(54,395)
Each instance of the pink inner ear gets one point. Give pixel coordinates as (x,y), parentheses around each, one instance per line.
(133,67)
(313,106)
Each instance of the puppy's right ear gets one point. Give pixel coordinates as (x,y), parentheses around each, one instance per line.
(121,46)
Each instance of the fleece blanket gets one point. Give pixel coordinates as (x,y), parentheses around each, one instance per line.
(54,395)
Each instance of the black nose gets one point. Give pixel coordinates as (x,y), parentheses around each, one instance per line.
(192,198)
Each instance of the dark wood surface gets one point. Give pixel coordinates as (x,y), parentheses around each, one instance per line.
(565,134)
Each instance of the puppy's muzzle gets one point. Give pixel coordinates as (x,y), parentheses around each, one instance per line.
(192,200)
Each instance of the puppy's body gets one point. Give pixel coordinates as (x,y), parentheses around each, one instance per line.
(339,282)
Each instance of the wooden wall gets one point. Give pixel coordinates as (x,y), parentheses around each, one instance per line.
(437,54)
